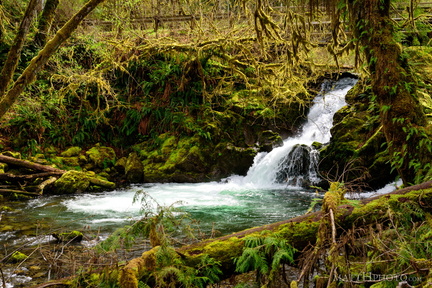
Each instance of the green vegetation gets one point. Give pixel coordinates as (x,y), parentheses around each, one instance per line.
(132,99)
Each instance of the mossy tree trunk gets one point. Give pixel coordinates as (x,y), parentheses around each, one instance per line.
(45,21)
(1,19)
(394,87)
(38,62)
(14,54)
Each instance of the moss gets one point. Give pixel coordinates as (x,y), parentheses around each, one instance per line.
(101,157)
(6,208)
(299,234)
(71,152)
(13,154)
(3,167)
(134,169)
(71,162)
(72,182)
(136,268)
(6,228)
(17,257)
(170,142)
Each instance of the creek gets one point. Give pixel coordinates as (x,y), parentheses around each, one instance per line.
(271,191)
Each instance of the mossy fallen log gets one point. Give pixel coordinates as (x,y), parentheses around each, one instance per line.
(64,181)
(28,164)
(299,231)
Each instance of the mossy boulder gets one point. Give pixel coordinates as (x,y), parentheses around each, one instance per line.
(101,157)
(268,140)
(193,159)
(72,182)
(238,160)
(183,159)
(134,169)
(71,152)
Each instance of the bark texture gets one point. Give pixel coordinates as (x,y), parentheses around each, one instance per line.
(46,21)
(394,87)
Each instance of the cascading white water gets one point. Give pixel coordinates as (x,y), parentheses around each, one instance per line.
(266,170)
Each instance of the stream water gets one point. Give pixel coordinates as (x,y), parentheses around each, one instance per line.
(268,193)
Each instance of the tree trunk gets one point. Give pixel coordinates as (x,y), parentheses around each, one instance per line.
(3,20)
(14,54)
(37,63)
(45,22)
(392,83)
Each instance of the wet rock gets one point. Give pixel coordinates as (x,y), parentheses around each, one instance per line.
(295,167)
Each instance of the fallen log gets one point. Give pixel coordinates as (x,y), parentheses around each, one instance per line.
(14,178)
(45,183)
(300,232)
(28,164)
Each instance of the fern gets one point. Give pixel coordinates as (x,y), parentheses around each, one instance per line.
(265,256)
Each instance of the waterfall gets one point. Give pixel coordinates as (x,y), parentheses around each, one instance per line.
(295,162)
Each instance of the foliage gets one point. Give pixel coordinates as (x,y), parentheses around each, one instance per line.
(162,225)
(171,271)
(265,255)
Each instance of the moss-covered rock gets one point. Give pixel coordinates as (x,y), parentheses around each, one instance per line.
(71,161)
(183,159)
(101,156)
(238,160)
(134,169)
(72,182)
(268,140)
(71,152)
